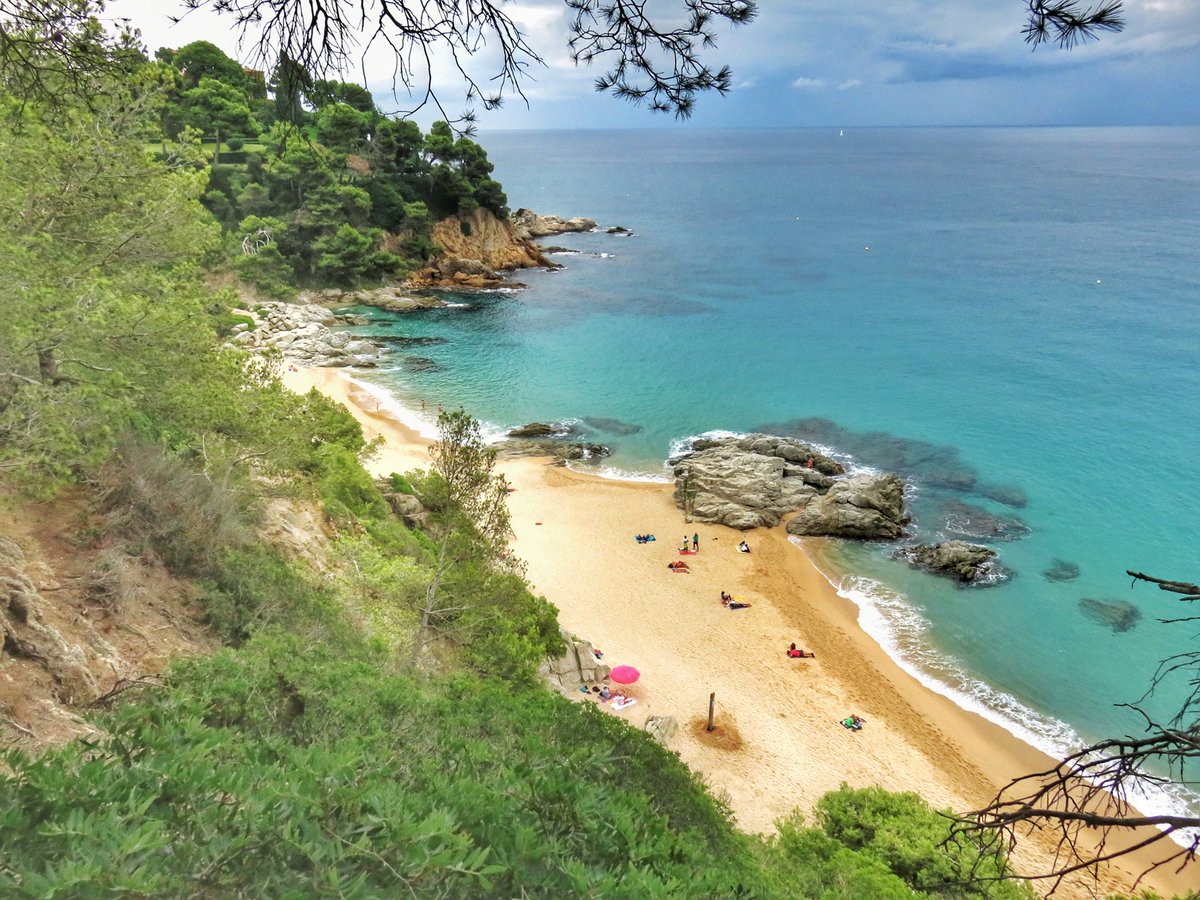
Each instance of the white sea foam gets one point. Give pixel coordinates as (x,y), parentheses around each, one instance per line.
(615,474)
(458,305)
(424,423)
(681,445)
(900,629)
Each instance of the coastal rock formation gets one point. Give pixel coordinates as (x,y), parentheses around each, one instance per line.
(755,480)
(391,298)
(862,506)
(559,449)
(577,667)
(968,563)
(475,247)
(543,429)
(528,224)
(301,333)
(1119,615)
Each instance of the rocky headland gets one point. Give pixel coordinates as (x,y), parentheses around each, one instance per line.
(756,480)
(475,248)
(529,225)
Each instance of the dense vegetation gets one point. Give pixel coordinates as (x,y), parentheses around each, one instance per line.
(376,731)
(317,186)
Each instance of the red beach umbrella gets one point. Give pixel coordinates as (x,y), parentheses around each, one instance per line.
(624,674)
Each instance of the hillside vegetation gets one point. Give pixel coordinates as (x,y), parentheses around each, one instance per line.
(373,726)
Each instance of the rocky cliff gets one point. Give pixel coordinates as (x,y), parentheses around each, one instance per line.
(475,248)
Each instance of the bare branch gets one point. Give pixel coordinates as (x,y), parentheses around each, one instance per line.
(1068,23)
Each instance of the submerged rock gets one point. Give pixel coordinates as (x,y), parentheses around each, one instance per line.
(1119,615)
(421,364)
(968,563)
(612,426)
(1061,570)
(1003,493)
(975,522)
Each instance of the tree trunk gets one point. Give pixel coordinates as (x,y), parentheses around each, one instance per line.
(48,368)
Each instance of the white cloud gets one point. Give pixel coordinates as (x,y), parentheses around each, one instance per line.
(850,84)
(809,84)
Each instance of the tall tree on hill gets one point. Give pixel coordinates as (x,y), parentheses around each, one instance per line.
(218,109)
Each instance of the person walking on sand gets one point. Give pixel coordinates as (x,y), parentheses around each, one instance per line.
(696,542)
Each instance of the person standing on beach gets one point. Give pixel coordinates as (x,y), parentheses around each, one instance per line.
(683,547)
(696,542)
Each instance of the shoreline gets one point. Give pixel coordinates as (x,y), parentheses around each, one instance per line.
(575,530)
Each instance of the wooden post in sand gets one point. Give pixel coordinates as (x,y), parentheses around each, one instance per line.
(712,702)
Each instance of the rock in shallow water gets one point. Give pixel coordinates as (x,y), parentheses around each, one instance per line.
(968,563)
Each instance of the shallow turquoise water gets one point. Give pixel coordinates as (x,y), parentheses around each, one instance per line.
(1029,307)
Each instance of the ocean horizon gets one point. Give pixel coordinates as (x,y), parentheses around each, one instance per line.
(1006,317)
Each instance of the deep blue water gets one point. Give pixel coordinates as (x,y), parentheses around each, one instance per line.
(1025,323)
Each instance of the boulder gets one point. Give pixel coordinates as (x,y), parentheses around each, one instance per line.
(750,481)
(408,509)
(533,429)
(577,667)
(862,506)
(968,563)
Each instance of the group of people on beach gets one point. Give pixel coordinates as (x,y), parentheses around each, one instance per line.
(695,544)
(730,602)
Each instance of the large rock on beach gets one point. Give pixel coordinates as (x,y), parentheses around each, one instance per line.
(577,667)
(862,506)
(968,563)
(758,479)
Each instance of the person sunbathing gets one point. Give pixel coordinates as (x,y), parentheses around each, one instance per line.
(854,723)
(793,653)
(743,547)
(735,604)
(680,566)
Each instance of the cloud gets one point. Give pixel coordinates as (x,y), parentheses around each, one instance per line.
(850,84)
(810,84)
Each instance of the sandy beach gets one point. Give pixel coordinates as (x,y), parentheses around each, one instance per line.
(781,745)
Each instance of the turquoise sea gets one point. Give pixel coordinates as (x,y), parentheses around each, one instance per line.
(1021,336)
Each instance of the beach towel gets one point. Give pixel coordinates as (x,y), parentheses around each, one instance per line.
(621,704)
(688,552)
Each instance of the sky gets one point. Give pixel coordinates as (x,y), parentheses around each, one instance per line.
(819,63)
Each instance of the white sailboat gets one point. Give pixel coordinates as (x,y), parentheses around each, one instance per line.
(841,132)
